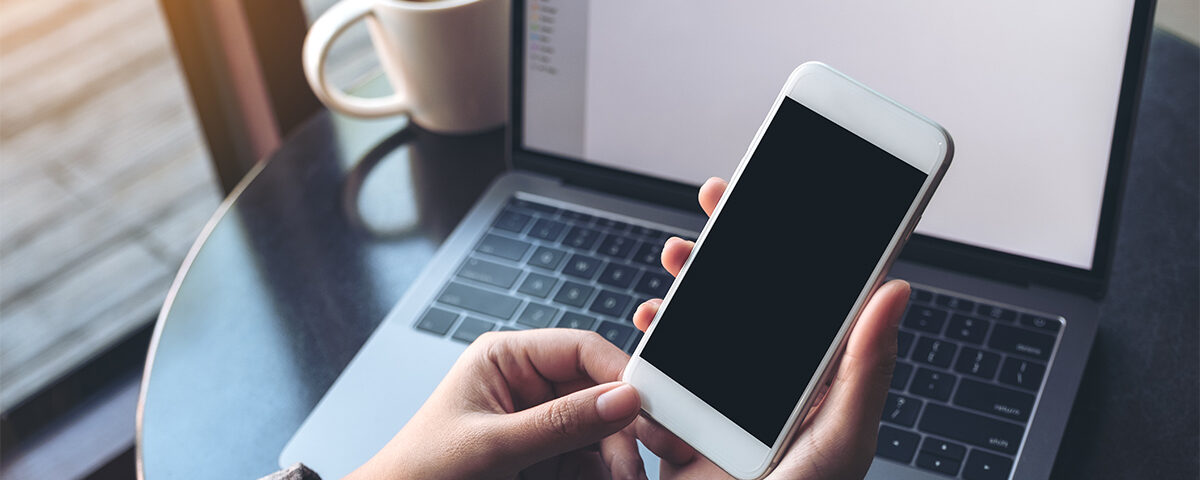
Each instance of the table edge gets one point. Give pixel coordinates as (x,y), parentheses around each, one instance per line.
(160,321)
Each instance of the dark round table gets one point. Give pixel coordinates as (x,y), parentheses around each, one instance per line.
(314,247)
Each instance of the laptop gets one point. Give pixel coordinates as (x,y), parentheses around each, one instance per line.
(620,109)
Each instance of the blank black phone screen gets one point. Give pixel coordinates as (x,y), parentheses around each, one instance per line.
(781,267)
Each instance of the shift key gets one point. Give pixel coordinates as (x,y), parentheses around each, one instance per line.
(974,429)
(502,247)
(479,300)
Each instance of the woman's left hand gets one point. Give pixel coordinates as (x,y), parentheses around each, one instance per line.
(539,404)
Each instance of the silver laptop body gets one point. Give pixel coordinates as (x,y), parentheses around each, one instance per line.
(401,363)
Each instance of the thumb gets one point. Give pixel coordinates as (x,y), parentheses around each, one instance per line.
(844,428)
(861,386)
(564,424)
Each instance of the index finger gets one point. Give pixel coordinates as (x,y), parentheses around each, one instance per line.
(554,354)
(710,194)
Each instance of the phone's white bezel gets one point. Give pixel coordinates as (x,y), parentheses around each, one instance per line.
(885,123)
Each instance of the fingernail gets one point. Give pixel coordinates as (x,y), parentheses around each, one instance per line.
(617,403)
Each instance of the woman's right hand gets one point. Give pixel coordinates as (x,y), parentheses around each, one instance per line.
(838,439)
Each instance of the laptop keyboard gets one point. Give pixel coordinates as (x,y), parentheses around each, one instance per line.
(541,266)
(967,376)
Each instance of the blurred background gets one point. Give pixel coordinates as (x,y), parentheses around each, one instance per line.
(105,182)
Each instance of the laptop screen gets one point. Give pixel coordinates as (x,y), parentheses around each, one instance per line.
(676,89)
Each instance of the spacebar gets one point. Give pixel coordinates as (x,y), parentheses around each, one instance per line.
(482,301)
(971,428)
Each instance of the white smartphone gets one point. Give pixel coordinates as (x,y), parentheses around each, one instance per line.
(745,340)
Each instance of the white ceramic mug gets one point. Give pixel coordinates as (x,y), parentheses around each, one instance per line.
(447,60)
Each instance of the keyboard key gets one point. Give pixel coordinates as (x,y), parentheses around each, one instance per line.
(577,217)
(489,272)
(615,275)
(507,328)
(616,246)
(1022,373)
(944,448)
(581,238)
(971,428)
(575,320)
(934,352)
(996,400)
(537,315)
(901,410)
(528,205)
(472,328)
(616,333)
(1020,341)
(649,232)
(437,321)
(930,384)
(573,294)
(546,229)
(654,284)
(611,224)
(610,303)
(937,463)
(923,296)
(502,247)
(982,465)
(512,221)
(904,342)
(967,329)
(546,257)
(955,303)
(901,375)
(995,313)
(977,362)
(479,300)
(649,253)
(1040,322)
(896,444)
(925,319)
(537,285)
(582,266)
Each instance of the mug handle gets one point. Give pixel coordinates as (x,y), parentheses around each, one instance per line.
(328,27)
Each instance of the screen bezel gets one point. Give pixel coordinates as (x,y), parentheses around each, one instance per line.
(935,251)
(908,137)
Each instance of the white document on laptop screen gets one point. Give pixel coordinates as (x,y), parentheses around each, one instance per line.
(1028,89)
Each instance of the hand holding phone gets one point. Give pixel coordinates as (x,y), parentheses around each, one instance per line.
(745,345)
(839,440)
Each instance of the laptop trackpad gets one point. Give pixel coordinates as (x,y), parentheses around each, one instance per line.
(384,386)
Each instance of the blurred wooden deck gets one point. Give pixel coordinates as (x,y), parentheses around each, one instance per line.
(104,178)
(104,181)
